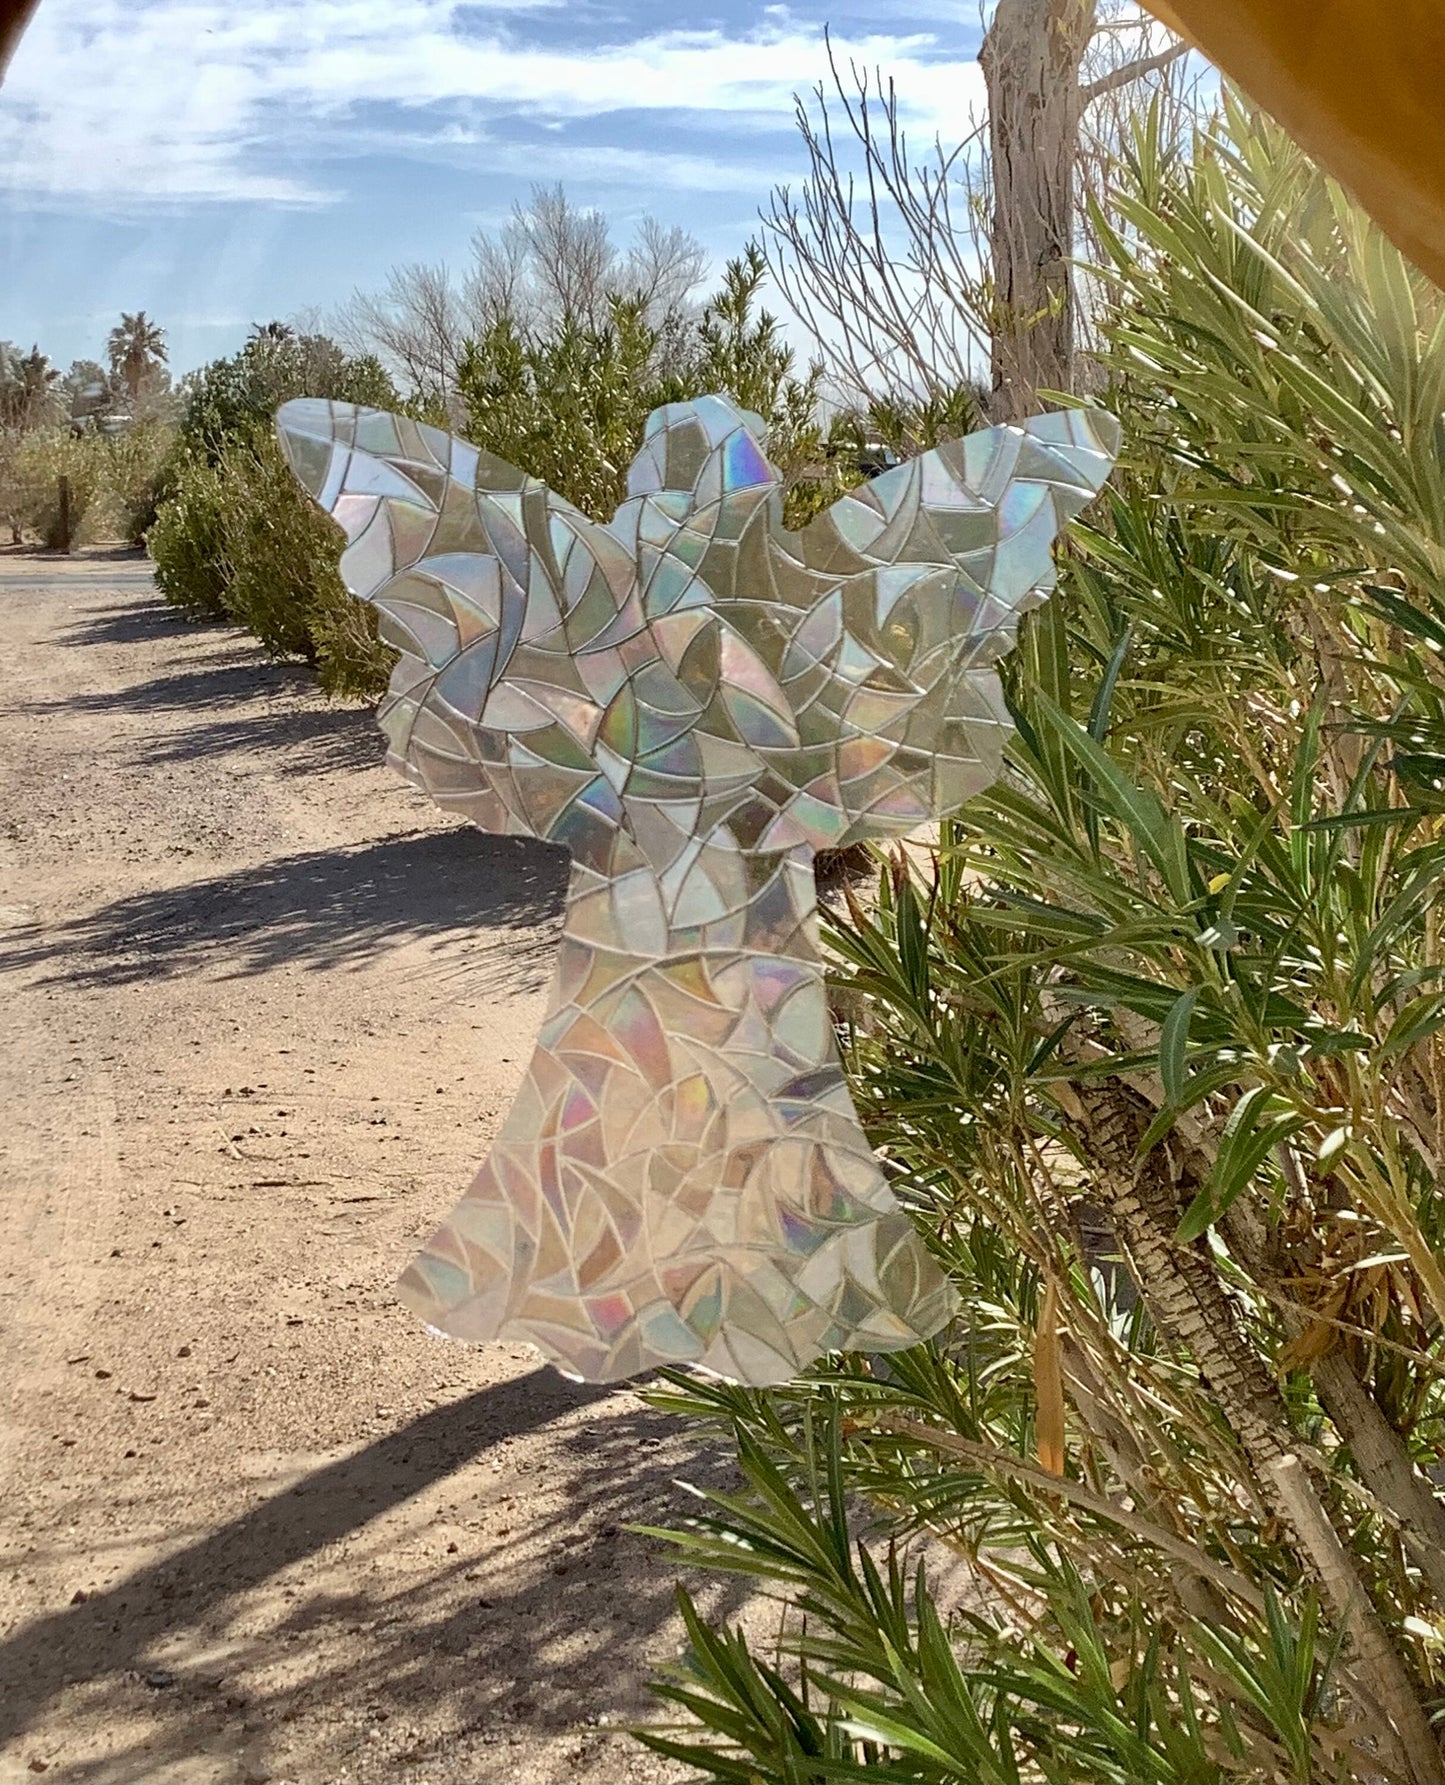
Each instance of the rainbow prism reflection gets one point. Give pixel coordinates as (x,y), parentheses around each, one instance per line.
(695,701)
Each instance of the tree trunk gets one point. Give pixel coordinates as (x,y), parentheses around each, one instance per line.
(1380,1453)
(1384,1463)
(1189,1305)
(1031,58)
(1179,1283)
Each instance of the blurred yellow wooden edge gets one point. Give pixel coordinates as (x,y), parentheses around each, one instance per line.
(1360,84)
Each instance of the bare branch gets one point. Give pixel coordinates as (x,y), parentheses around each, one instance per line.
(1133,71)
(868,253)
(496,285)
(663,265)
(415,323)
(571,256)
(550,261)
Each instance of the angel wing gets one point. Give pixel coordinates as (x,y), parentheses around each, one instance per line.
(921,577)
(510,609)
(844,684)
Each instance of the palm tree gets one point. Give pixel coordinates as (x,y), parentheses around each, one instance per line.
(137,349)
(25,393)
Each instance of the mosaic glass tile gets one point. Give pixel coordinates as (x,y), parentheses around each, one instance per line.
(694,700)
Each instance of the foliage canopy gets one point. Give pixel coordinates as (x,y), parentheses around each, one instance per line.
(1155,1046)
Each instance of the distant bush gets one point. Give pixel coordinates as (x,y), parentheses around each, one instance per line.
(114,483)
(237,536)
(187,540)
(139,477)
(12,516)
(36,467)
(225,400)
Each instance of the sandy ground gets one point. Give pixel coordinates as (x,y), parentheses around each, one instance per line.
(261,1010)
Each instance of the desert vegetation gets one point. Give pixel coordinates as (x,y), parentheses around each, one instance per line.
(552,353)
(1153,1049)
(235,538)
(1152,1035)
(106,430)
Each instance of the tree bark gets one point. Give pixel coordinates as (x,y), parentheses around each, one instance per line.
(1399,1698)
(1031,59)
(1178,1282)
(1384,1463)
(1189,1305)
(1380,1453)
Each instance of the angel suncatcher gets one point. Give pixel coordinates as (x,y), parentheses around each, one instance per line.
(693,700)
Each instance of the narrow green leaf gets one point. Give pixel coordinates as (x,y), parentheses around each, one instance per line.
(1406,616)
(1420,1018)
(1254,1127)
(1173,1043)
(1136,807)
(1341,821)
(1104,696)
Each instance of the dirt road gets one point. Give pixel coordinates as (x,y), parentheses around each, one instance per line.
(262,1010)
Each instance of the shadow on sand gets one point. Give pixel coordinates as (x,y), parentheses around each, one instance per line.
(545,1643)
(283,719)
(328,909)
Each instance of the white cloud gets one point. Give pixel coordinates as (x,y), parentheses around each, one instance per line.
(129,103)
(557,157)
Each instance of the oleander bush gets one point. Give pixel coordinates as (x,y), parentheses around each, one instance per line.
(186,540)
(237,538)
(139,473)
(1154,1049)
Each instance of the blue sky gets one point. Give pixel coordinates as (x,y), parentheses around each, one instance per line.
(220,162)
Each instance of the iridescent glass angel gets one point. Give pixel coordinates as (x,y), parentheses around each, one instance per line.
(695,701)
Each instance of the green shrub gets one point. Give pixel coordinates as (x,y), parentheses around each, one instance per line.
(239,539)
(40,461)
(140,471)
(570,405)
(229,398)
(351,661)
(187,540)
(282,581)
(1155,1050)
(277,547)
(236,536)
